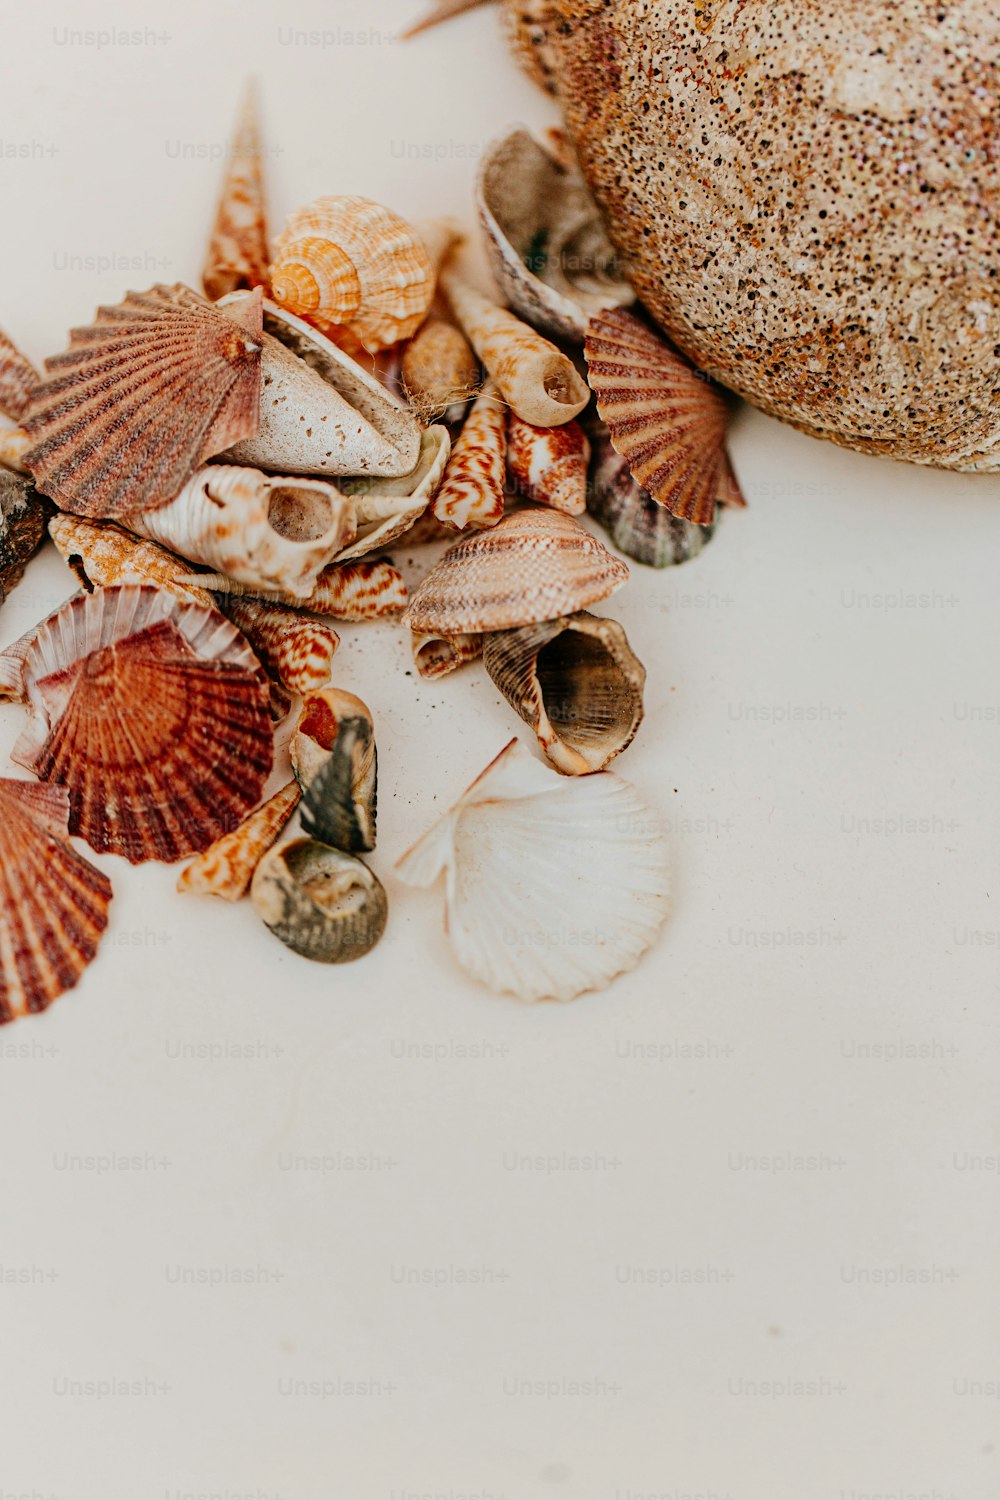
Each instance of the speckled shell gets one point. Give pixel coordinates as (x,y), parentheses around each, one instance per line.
(439,370)
(806,197)
(23,515)
(226,867)
(320,902)
(643,530)
(535,565)
(549,464)
(576,682)
(385,509)
(237,252)
(101,554)
(352,262)
(290,646)
(436,655)
(336,764)
(18,377)
(472,491)
(361,590)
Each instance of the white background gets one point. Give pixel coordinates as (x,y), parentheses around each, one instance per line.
(829,661)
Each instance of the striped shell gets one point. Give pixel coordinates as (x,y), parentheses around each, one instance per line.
(320,902)
(363,590)
(295,649)
(226,867)
(472,491)
(237,252)
(635,523)
(549,464)
(22,528)
(101,554)
(18,377)
(438,655)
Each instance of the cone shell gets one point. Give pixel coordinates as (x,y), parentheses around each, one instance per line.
(237,252)
(549,464)
(295,649)
(153,388)
(226,868)
(18,377)
(663,417)
(437,655)
(353,262)
(472,491)
(154,714)
(439,370)
(320,902)
(22,528)
(101,554)
(576,682)
(638,526)
(363,590)
(554,885)
(384,509)
(257,528)
(336,764)
(53,903)
(536,565)
(538,381)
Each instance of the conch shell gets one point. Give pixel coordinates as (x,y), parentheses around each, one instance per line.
(336,764)
(320,902)
(439,370)
(291,647)
(226,867)
(549,464)
(101,554)
(237,252)
(472,491)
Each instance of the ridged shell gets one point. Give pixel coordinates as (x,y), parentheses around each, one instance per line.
(663,416)
(362,590)
(22,528)
(260,529)
(439,370)
(536,565)
(538,381)
(350,261)
(639,527)
(299,651)
(554,885)
(53,902)
(101,554)
(336,764)
(472,491)
(226,868)
(154,714)
(18,377)
(576,682)
(320,902)
(384,509)
(442,10)
(548,247)
(437,655)
(150,390)
(237,252)
(549,464)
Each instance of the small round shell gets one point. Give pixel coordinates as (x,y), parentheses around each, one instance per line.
(320,902)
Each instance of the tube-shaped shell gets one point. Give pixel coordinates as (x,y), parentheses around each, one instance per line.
(535,565)
(576,682)
(363,590)
(226,867)
(549,464)
(336,763)
(638,526)
(23,515)
(18,377)
(472,491)
(101,554)
(320,902)
(538,381)
(291,646)
(350,261)
(237,252)
(384,509)
(439,370)
(255,527)
(437,655)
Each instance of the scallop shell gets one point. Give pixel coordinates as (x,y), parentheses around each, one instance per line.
(321,412)
(384,509)
(153,388)
(576,682)
(638,526)
(538,381)
(299,651)
(22,528)
(472,491)
(336,764)
(237,251)
(101,554)
(260,529)
(549,464)
(536,565)
(439,370)
(663,416)
(363,590)
(352,262)
(226,867)
(53,902)
(18,377)
(549,250)
(437,655)
(154,714)
(554,885)
(320,902)
(12,659)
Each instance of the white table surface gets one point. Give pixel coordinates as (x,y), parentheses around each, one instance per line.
(325,1268)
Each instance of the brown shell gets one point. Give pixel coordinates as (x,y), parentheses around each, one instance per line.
(441,10)
(549,464)
(53,902)
(101,554)
(142,397)
(297,650)
(663,416)
(438,370)
(364,589)
(226,868)
(18,377)
(536,565)
(436,655)
(237,252)
(22,528)
(472,491)
(640,528)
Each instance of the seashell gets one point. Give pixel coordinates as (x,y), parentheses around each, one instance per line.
(18,377)
(535,565)
(101,554)
(299,651)
(237,252)
(22,528)
(548,248)
(279,704)
(153,713)
(530,26)
(350,262)
(386,508)
(538,381)
(336,764)
(257,528)
(12,659)
(320,902)
(576,682)
(472,491)
(638,526)
(53,902)
(437,655)
(440,237)
(549,464)
(554,885)
(361,590)
(441,10)
(142,397)
(226,867)
(439,370)
(15,444)
(320,412)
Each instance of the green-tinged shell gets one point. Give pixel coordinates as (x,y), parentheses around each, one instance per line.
(320,902)
(640,528)
(23,516)
(336,764)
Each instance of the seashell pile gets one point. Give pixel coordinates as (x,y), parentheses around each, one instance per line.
(223,475)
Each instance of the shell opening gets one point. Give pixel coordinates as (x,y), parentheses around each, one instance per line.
(299,515)
(558,387)
(589,700)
